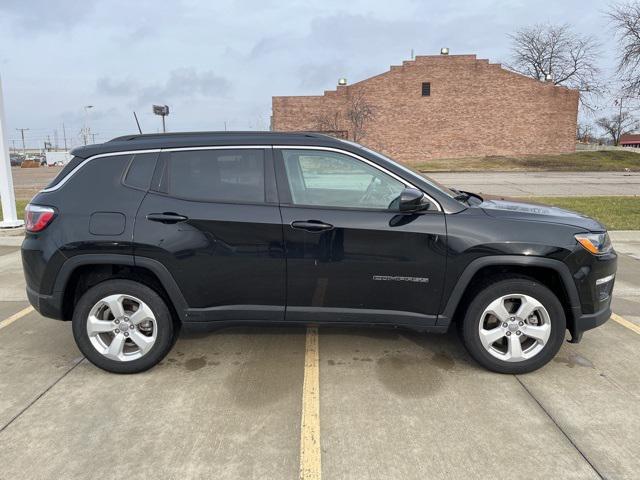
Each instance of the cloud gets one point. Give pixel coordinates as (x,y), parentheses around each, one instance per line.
(38,15)
(115,87)
(320,75)
(182,84)
(186,83)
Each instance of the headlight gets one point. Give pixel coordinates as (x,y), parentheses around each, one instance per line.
(596,243)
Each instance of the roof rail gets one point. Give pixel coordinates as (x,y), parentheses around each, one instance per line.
(152,136)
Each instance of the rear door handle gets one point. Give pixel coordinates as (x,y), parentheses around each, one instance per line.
(166,217)
(311,225)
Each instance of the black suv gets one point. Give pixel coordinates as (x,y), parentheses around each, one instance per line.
(143,234)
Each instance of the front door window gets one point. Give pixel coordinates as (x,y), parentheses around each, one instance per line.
(331,179)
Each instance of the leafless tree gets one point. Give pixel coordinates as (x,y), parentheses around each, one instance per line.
(625,18)
(359,113)
(351,119)
(551,51)
(584,132)
(617,125)
(328,120)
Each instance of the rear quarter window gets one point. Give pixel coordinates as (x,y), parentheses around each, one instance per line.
(73,163)
(140,170)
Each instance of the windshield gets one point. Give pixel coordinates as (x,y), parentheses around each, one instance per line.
(447,191)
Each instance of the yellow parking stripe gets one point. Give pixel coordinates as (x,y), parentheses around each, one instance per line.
(626,323)
(310,427)
(16,316)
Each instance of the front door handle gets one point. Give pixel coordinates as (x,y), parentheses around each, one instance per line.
(166,217)
(311,225)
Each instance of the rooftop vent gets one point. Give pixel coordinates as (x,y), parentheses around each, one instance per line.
(444,51)
(342,81)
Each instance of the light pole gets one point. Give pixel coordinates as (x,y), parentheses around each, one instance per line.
(9,216)
(163,111)
(86,123)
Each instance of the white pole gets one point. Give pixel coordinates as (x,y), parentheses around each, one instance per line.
(10,219)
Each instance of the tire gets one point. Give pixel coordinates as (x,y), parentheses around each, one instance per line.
(154,335)
(546,326)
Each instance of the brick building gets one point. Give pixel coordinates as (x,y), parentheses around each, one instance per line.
(442,106)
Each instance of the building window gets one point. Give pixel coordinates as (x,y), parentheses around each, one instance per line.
(426,89)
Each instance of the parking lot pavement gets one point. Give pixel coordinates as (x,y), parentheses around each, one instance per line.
(393,404)
(550,184)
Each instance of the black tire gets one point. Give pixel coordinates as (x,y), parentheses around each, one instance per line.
(487,294)
(166,331)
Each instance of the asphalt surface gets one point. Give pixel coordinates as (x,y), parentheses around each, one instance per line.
(392,404)
(549,184)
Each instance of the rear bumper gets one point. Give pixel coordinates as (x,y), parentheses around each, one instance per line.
(47,305)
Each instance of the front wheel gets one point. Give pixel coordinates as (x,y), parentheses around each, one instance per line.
(514,326)
(123,326)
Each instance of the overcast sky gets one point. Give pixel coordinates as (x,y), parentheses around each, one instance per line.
(215,61)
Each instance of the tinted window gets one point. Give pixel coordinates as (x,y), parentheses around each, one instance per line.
(216,175)
(141,170)
(73,163)
(335,180)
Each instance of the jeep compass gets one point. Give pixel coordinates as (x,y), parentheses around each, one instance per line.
(143,234)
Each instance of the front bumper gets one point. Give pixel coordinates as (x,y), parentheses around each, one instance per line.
(594,281)
(586,321)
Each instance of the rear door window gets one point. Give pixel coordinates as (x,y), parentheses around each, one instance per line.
(232,176)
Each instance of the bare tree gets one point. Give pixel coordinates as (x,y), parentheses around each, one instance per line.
(625,18)
(359,113)
(617,125)
(544,51)
(584,132)
(328,120)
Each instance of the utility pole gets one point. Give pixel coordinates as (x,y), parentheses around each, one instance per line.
(24,148)
(93,136)
(87,130)
(64,134)
(7,195)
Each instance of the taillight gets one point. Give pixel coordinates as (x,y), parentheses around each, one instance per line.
(37,217)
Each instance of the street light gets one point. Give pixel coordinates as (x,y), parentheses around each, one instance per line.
(86,134)
(163,111)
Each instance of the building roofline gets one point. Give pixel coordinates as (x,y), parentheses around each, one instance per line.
(408,63)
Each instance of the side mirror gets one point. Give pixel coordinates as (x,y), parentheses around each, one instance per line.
(413,200)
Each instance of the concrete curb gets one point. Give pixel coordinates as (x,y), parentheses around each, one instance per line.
(12,232)
(624,235)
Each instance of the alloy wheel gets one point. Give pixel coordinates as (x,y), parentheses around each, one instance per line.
(514,327)
(122,327)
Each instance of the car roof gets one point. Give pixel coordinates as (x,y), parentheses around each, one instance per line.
(202,139)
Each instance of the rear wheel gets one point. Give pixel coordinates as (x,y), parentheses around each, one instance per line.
(123,326)
(514,326)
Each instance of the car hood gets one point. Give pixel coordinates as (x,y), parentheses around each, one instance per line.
(516,210)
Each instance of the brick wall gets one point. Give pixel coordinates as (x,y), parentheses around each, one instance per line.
(475,109)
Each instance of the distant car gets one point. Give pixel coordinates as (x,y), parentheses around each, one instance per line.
(16,160)
(140,235)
